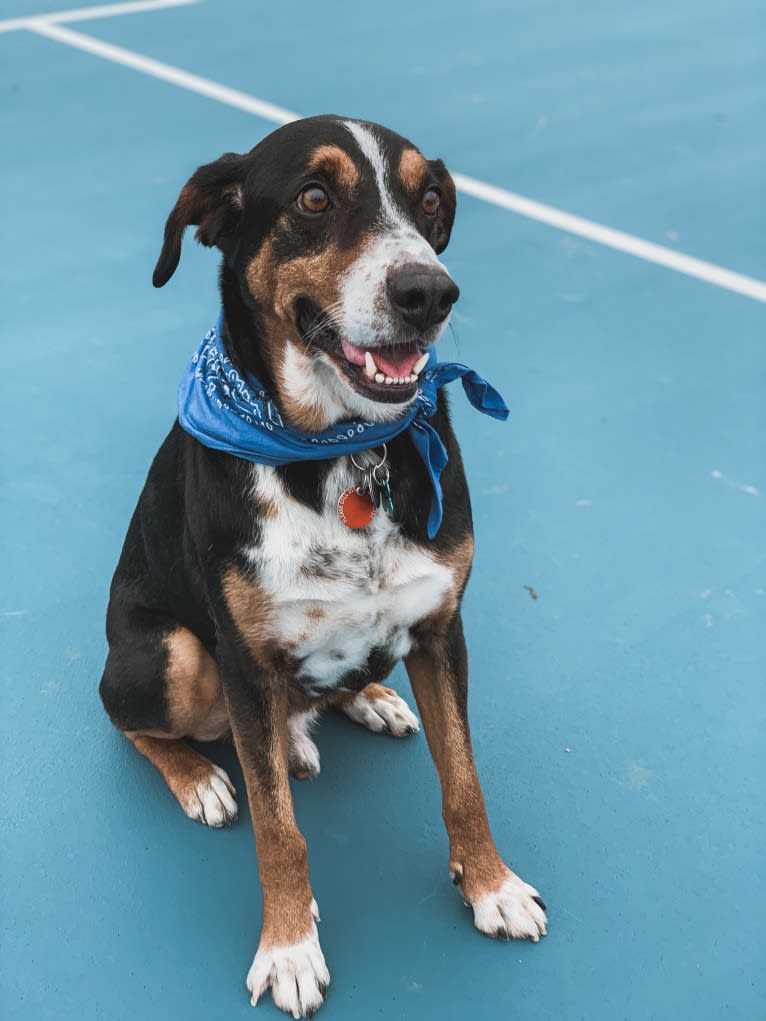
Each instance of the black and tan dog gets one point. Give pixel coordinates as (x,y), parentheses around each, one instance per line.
(242,604)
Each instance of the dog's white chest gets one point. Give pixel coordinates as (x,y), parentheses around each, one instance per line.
(339,596)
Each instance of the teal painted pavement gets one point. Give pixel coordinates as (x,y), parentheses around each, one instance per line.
(618,718)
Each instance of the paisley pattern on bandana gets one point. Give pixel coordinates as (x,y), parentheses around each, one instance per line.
(232,412)
(223,385)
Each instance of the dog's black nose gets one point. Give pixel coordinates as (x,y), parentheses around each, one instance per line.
(421,294)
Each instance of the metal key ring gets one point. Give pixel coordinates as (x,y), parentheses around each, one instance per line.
(375,468)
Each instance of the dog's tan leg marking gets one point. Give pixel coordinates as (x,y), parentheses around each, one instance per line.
(202,789)
(193,689)
(504,906)
(381,710)
(289,958)
(195,708)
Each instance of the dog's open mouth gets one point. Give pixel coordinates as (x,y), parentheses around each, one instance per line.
(388,374)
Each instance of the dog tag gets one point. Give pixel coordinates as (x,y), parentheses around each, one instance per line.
(355,509)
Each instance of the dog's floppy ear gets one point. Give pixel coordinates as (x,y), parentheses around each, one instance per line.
(446,214)
(212,200)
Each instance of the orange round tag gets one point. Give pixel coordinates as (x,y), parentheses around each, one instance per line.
(356,510)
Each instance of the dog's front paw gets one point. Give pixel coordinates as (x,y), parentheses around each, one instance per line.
(303,754)
(512,910)
(303,757)
(297,975)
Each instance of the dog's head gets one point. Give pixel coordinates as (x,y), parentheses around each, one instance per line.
(330,231)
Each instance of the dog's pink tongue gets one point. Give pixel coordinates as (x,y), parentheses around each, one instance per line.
(396,361)
(393,361)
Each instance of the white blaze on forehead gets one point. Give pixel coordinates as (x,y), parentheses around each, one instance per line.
(365,315)
(370,148)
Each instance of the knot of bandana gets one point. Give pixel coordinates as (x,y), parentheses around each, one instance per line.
(230,411)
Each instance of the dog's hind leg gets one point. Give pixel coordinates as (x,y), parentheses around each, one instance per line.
(202,789)
(159,686)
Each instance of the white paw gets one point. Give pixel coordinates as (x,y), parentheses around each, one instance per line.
(514,911)
(386,713)
(297,975)
(303,754)
(211,800)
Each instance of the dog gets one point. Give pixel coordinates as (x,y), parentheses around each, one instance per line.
(246,600)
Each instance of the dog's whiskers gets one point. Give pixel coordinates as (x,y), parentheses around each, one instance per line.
(455,336)
(320,322)
(322,318)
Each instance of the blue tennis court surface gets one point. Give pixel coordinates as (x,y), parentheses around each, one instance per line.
(618,718)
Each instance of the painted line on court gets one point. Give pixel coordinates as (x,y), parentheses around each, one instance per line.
(611,238)
(89,13)
(618,240)
(166,73)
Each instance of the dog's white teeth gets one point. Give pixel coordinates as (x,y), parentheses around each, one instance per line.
(370,367)
(419,365)
(372,372)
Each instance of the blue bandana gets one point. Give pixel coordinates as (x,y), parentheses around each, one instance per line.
(232,412)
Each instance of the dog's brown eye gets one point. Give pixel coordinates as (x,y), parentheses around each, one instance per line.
(431,201)
(313,199)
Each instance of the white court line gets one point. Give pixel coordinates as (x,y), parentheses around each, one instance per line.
(88,13)
(616,239)
(167,73)
(612,238)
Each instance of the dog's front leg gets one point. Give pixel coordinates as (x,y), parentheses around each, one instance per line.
(289,958)
(503,905)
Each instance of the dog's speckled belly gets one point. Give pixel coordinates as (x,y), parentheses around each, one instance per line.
(366,632)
